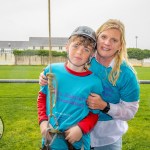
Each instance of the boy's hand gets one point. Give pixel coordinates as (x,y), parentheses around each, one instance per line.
(42,79)
(73,134)
(43,128)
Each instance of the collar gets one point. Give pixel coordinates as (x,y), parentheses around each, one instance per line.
(112,63)
(82,74)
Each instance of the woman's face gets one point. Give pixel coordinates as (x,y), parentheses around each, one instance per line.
(108,43)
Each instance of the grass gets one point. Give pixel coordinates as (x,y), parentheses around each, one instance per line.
(143,73)
(19,111)
(138,135)
(20,72)
(18,108)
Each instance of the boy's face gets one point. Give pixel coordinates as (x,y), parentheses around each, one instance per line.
(78,53)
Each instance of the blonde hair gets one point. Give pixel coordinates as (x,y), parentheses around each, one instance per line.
(122,53)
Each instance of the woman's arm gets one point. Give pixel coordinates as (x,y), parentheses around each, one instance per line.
(122,110)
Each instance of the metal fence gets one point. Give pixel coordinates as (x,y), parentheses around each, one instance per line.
(19,81)
(144,81)
(37,81)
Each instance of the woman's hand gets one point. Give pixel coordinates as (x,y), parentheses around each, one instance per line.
(96,102)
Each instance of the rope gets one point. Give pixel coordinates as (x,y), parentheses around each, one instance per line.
(51,77)
(49,32)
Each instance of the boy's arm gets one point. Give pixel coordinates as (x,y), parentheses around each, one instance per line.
(88,123)
(41,106)
(42,117)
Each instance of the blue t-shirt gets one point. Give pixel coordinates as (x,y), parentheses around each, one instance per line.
(71,107)
(126,89)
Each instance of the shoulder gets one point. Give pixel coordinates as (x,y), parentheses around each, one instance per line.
(94,65)
(54,67)
(128,84)
(57,65)
(127,70)
(93,59)
(127,75)
(92,78)
(96,81)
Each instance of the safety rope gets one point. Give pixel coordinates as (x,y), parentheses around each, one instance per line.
(53,95)
(51,77)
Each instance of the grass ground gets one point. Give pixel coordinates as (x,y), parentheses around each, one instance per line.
(19,112)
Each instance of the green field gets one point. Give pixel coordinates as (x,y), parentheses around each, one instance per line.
(18,108)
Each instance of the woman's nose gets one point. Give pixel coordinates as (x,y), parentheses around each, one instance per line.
(107,42)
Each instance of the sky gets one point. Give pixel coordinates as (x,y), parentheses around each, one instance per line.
(21,19)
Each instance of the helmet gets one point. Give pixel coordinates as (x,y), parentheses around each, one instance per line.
(85,31)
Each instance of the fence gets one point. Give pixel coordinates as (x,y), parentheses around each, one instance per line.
(10,59)
(37,81)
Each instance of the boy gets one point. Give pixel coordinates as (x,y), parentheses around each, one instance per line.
(75,83)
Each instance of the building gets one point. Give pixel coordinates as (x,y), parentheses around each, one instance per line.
(57,43)
(9,46)
(42,43)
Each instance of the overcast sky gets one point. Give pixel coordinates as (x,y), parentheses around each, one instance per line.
(21,19)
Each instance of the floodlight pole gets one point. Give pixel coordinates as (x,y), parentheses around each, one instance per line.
(136,37)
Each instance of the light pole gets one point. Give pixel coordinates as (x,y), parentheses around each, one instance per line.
(10,49)
(136,37)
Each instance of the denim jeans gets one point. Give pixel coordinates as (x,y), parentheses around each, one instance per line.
(115,146)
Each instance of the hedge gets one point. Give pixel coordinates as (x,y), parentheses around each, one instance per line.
(138,53)
(132,53)
(38,53)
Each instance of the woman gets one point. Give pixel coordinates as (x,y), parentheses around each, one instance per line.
(120,99)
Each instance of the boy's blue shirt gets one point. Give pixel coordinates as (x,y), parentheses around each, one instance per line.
(126,89)
(72,94)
